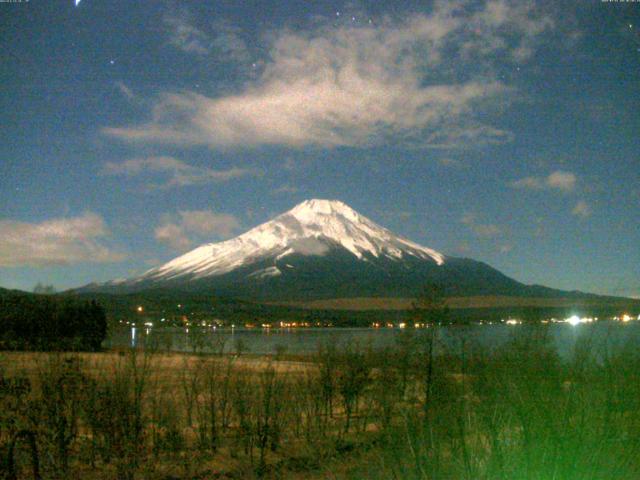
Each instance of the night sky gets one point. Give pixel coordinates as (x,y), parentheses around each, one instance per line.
(132,131)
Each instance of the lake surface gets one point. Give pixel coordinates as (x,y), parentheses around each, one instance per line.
(609,334)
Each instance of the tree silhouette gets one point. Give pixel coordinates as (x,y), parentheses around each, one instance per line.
(50,323)
(430,308)
(430,305)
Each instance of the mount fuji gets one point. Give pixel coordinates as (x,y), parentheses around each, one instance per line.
(320,249)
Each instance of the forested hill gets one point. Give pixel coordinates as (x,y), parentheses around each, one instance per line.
(44,322)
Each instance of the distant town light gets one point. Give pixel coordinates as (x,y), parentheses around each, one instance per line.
(140,309)
(575,320)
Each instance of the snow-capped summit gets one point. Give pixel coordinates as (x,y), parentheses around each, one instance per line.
(313,227)
(318,249)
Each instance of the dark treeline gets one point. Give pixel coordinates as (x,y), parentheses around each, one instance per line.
(39,322)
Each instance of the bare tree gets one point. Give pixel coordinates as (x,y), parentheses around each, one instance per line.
(430,309)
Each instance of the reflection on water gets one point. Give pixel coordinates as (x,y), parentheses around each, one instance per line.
(133,337)
(307,340)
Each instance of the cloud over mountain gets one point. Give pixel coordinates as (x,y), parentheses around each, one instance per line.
(178,231)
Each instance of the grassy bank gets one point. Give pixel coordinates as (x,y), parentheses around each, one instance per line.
(517,412)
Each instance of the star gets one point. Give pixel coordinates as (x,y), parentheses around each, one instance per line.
(112,62)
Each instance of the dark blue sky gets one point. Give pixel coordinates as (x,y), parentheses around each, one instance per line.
(505,132)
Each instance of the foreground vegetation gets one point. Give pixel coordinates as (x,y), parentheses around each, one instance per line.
(413,411)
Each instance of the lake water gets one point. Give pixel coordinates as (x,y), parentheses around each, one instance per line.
(610,334)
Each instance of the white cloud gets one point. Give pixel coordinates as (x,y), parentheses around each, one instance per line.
(228,44)
(565,181)
(222,39)
(422,81)
(485,230)
(559,180)
(495,25)
(55,242)
(172,235)
(184,35)
(532,183)
(284,189)
(126,91)
(205,222)
(182,230)
(581,209)
(179,173)
(310,246)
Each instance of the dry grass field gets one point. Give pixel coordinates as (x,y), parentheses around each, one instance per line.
(371,303)
(163,365)
(467,413)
